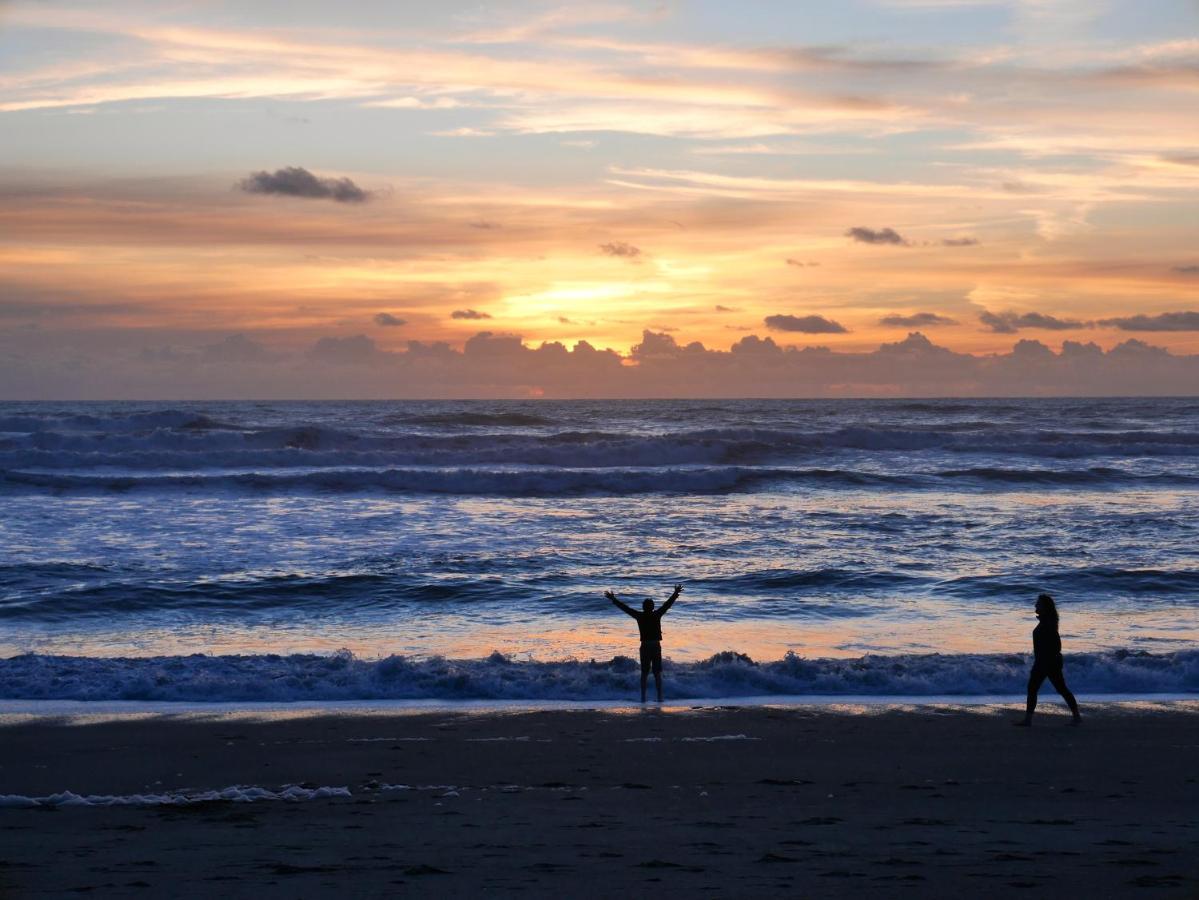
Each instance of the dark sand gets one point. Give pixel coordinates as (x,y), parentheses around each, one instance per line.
(918,802)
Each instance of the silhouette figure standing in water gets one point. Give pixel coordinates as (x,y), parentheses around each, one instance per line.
(1047,661)
(649,624)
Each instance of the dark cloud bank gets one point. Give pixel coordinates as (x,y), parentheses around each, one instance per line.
(497,365)
(620,248)
(889,236)
(917,320)
(805,324)
(1171,321)
(865,235)
(1011,322)
(296,181)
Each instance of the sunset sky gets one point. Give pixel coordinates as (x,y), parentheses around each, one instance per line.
(206,198)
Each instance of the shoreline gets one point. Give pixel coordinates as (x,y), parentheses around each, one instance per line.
(821,801)
(12,711)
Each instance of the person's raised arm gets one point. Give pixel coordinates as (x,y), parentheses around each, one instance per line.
(678,589)
(622,606)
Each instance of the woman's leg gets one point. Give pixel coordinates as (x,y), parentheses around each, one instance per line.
(1035,677)
(1058,680)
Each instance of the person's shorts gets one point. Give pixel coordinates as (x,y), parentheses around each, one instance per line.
(651,656)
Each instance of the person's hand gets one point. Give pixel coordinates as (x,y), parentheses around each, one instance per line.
(678,589)
(610,596)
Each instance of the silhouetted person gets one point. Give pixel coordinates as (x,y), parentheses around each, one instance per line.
(1047,661)
(649,624)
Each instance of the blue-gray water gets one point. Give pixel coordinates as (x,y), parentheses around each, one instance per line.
(845,546)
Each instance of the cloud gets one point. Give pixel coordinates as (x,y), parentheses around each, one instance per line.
(865,235)
(465,132)
(472,314)
(751,344)
(1021,187)
(236,348)
(805,324)
(800,264)
(917,320)
(1010,322)
(721,308)
(358,349)
(35,307)
(655,344)
(296,181)
(1170,321)
(959,242)
(387,320)
(620,248)
(1187,270)
(35,365)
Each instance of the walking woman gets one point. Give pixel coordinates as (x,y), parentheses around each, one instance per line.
(1047,662)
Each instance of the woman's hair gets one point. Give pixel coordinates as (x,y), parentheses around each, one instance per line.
(1047,608)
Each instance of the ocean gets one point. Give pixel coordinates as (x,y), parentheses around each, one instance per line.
(316,552)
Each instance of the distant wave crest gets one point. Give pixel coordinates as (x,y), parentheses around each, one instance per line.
(565,449)
(544,481)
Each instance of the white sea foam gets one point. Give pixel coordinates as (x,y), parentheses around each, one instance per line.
(390,740)
(718,737)
(341,676)
(235,794)
(524,739)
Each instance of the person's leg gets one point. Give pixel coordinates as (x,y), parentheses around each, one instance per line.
(1058,680)
(1035,677)
(658,671)
(646,660)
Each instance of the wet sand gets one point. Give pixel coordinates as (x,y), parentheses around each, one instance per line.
(716,802)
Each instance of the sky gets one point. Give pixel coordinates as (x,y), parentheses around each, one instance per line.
(397,199)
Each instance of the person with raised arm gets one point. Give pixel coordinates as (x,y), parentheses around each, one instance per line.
(649,625)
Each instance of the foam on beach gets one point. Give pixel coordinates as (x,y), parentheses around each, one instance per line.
(234,794)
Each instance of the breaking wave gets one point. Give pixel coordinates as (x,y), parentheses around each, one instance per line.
(342,676)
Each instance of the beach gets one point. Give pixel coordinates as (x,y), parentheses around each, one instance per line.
(832,800)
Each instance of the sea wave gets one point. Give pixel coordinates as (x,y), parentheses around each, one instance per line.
(546,481)
(342,676)
(45,422)
(192,440)
(55,592)
(474,419)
